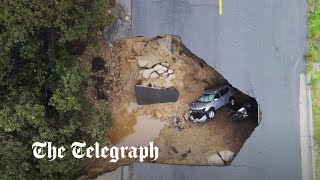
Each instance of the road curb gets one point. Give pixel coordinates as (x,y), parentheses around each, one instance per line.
(306,128)
(310,117)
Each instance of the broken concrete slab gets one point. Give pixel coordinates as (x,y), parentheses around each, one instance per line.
(154,75)
(186,116)
(150,95)
(160,69)
(171,77)
(165,64)
(226,155)
(166,43)
(215,159)
(148,61)
(146,73)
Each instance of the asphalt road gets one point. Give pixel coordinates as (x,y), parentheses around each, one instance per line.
(259,47)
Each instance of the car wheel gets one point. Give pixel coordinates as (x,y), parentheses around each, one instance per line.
(211,113)
(232,101)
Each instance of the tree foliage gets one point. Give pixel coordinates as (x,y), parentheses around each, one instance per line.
(41,96)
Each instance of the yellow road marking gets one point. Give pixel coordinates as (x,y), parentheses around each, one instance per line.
(220,6)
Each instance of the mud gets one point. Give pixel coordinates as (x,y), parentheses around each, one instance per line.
(131,130)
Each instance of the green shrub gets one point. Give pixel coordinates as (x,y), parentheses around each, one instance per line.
(43,85)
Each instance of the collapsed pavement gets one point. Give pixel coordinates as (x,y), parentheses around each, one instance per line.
(164,63)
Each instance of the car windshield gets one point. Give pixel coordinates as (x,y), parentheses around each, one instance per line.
(205,98)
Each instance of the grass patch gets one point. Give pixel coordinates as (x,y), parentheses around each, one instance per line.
(313,57)
(315,83)
(313,54)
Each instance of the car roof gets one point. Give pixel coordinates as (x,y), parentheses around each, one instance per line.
(214,90)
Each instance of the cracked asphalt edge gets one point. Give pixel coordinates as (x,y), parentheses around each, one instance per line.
(121,28)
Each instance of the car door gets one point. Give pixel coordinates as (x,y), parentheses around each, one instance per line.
(225,95)
(218,101)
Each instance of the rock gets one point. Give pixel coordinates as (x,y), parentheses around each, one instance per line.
(177,38)
(127,18)
(142,61)
(171,77)
(176,122)
(154,75)
(165,64)
(215,159)
(147,73)
(226,155)
(186,116)
(133,108)
(148,61)
(170,71)
(160,69)
(158,114)
(138,47)
(166,43)
(131,60)
(161,72)
(165,74)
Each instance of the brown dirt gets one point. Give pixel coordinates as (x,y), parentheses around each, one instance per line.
(194,142)
(202,139)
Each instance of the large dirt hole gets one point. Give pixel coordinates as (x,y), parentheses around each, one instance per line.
(164,62)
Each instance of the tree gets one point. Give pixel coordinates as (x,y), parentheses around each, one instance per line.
(42,83)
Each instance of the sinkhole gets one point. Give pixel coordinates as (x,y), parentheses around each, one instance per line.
(155,88)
